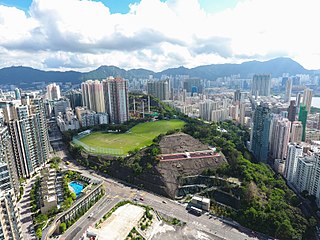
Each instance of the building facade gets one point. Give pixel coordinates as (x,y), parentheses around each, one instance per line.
(116,99)
(296,132)
(261,85)
(294,152)
(53,92)
(260,133)
(159,89)
(303,116)
(307,99)
(92,95)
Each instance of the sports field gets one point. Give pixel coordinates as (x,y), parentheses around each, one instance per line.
(139,136)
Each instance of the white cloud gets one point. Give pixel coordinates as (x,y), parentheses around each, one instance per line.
(74,34)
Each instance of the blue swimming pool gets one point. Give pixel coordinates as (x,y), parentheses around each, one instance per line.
(77,187)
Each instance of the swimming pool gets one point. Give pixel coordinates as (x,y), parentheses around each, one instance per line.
(77,187)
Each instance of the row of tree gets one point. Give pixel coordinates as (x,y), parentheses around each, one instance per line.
(267,204)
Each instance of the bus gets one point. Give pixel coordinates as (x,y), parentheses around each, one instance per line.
(195,211)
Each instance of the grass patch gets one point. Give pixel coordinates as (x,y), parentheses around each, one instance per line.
(138,137)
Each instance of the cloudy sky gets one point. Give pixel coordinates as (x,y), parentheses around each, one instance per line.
(156,34)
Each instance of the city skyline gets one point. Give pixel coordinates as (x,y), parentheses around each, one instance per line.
(83,35)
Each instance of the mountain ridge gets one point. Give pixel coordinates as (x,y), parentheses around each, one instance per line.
(276,67)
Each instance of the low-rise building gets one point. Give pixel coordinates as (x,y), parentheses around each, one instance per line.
(49,198)
(312,135)
(200,202)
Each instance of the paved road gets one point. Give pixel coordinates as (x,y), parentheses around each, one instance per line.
(213,226)
(103,206)
(25,212)
(117,191)
(172,208)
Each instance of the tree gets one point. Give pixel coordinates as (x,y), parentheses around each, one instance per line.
(62,227)
(39,232)
(73,196)
(41,218)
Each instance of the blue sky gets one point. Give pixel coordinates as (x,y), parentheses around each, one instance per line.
(156,34)
(122,6)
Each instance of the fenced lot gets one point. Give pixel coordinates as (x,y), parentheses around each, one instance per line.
(120,144)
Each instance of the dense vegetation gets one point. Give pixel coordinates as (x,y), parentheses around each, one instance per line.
(267,204)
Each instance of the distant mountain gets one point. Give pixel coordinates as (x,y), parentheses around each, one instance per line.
(16,75)
(276,67)
(104,72)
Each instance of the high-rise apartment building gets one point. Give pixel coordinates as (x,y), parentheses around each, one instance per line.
(29,136)
(159,89)
(53,92)
(294,152)
(280,137)
(10,226)
(260,133)
(242,114)
(287,96)
(92,95)
(303,115)
(307,98)
(303,174)
(205,109)
(261,85)
(296,132)
(37,109)
(292,111)
(116,99)
(17,93)
(7,158)
(61,106)
(75,98)
(298,101)
(315,179)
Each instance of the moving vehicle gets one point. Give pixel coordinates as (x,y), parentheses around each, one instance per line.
(90,215)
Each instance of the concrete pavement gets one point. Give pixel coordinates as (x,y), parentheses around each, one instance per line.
(118,191)
(212,226)
(25,212)
(103,206)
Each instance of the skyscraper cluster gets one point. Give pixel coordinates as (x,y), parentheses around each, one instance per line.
(92,95)
(302,171)
(261,85)
(24,147)
(29,135)
(159,89)
(109,96)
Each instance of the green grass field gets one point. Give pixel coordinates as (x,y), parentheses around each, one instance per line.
(139,136)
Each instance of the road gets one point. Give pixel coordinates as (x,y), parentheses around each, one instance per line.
(103,206)
(117,191)
(25,212)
